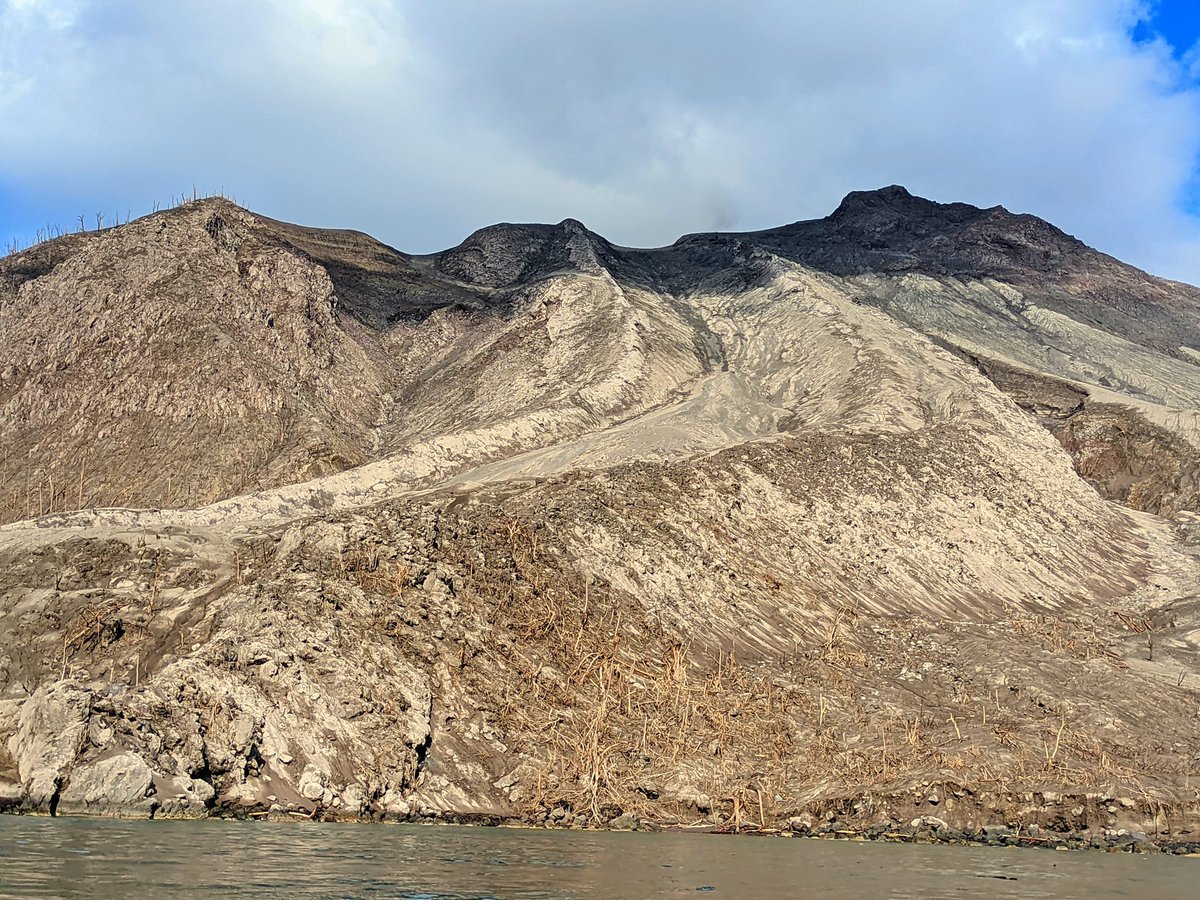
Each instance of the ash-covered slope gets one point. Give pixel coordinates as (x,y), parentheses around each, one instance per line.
(1022,300)
(173,361)
(205,352)
(891,232)
(541,526)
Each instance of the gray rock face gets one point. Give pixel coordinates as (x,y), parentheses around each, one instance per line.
(624,822)
(119,784)
(937,824)
(48,738)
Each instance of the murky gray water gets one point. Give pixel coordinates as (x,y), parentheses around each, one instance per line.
(102,859)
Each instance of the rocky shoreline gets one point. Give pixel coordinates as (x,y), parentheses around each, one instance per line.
(924,830)
(926,813)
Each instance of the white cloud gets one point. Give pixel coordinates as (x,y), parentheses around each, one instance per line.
(22,25)
(644,118)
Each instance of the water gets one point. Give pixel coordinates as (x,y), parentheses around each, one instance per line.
(113,859)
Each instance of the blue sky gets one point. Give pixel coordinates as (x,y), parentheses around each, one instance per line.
(1177,24)
(1176,21)
(645,119)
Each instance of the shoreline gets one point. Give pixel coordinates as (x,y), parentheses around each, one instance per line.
(1109,840)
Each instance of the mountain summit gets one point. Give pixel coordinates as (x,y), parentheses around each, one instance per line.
(819,521)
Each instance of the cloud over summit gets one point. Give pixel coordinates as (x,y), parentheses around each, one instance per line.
(421,122)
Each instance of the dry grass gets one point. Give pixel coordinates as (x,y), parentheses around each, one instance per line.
(611,703)
(616,709)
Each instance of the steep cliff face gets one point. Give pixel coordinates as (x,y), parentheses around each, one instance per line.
(801,522)
(172,362)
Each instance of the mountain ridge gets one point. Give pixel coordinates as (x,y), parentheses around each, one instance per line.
(529,526)
(485,275)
